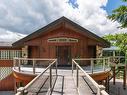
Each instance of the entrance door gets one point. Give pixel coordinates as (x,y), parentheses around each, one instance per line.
(63,54)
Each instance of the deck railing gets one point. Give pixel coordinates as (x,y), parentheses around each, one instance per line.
(31,63)
(100,88)
(18,62)
(23,90)
(118,59)
(93,65)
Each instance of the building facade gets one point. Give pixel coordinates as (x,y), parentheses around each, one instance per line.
(7,53)
(61,39)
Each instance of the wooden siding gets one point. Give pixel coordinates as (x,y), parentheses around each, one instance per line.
(6,63)
(45,49)
(7,84)
(22,79)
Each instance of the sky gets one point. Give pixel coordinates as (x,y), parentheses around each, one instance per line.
(113,4)
(19,18)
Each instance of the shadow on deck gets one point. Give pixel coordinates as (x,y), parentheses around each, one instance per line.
(63,84)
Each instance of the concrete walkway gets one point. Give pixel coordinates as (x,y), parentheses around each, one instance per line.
(7,93)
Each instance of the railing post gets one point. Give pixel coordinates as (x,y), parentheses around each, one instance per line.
(56,65)
(19,65)
(91,65)
(72,66)
(108,61)
(104,60)
(50,76)
(33,66)
(100,88)
(124,78)
(77,77)
(14,62)
(21,89)
(114,75)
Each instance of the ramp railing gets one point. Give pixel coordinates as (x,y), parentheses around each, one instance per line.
(53,62)
(79,70)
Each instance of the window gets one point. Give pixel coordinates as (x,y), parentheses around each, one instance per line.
(10,54)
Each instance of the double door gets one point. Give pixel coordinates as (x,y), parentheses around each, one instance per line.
(63,54)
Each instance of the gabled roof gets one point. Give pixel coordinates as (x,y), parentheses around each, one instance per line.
(56,23)
(5,44)
(112,48)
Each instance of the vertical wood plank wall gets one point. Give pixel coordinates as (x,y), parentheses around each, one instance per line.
(40,47)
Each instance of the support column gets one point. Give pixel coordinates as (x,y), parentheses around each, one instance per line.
(124,78)
(77,77)
(72,67)
(50,78)
(33,66)
(114,75)
(108,83)
(56,66)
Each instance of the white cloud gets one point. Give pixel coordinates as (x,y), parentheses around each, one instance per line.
(26,16)
(8,36)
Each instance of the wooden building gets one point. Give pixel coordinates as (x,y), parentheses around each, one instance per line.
(7,53)
(62,39)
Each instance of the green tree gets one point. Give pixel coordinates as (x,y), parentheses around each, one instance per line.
(119,40)
(120,15)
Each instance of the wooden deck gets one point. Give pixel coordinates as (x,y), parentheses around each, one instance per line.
(63,84)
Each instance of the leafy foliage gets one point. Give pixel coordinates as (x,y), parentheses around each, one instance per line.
(120,15)
(119,40)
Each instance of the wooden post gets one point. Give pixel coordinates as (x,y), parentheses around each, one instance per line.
(114,54)
(101,87)
(72,66)
(108,83)
(104,60)
(15,87)
(77,80)
(124,78)
(108,61)
(21,89)
(114,75)
(33,66)
(56,65)
(14,62)
(92,66)
(19,65)
(50,78)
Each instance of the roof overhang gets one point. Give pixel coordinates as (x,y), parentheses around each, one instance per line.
(62,22)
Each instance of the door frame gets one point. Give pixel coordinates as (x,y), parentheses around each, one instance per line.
(69,55)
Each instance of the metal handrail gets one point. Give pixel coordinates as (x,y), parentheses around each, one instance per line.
(21,90)
(100,88)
